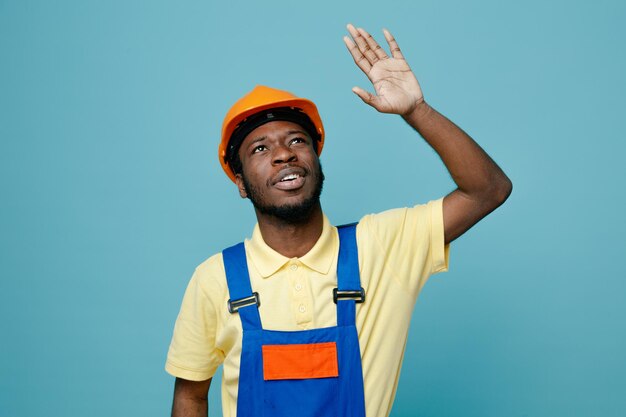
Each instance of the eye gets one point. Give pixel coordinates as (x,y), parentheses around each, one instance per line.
(297,140)
(259,148)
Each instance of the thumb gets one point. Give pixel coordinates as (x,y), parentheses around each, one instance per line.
(367,97)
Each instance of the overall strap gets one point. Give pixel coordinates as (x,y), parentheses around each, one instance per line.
(348,278)
(242,299)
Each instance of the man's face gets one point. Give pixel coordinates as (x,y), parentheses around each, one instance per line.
(281,173)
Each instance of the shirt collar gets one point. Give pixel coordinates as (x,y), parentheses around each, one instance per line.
(321,256)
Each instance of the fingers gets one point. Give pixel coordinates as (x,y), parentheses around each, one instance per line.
(364,49)
(393,45)
(378,51)
(362,43)
(360,59)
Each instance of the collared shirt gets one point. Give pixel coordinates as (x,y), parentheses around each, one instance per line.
(398,250)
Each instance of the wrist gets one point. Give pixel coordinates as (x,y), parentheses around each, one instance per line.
(417,114)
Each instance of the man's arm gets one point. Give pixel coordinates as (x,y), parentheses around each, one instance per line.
(190,398)
(481,184)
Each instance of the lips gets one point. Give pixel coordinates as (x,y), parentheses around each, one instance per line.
(291,178)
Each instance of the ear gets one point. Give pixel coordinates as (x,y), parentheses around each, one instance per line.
(241,186)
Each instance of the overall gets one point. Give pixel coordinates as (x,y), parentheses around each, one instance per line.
(307,373)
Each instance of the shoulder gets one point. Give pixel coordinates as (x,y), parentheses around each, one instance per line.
(209,278)
(211,266)
(390,223)
(409,241)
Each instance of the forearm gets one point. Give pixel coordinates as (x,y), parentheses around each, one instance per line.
(481,184)
(190,398)
(189,407)
(474,172)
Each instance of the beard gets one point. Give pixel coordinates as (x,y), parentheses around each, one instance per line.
(289,213)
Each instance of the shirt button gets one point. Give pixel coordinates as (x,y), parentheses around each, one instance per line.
(302,308)
(298,286)
(293,267)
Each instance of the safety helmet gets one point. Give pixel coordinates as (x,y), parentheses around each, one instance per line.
(263,98)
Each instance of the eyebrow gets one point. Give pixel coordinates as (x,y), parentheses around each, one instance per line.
(259,139)
(291,132)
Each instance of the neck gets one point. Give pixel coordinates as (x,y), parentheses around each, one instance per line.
(291,239)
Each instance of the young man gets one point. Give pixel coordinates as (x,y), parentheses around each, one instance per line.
(309,320)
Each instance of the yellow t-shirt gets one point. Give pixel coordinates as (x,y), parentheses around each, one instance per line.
(398,250)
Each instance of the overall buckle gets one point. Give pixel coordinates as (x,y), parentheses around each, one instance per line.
(235,305)
(357,295)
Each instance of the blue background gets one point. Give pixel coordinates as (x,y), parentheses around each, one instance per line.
(111,192)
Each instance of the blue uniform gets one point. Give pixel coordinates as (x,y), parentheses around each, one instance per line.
(299,373)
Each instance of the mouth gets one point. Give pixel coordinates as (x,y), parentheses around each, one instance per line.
(290,179)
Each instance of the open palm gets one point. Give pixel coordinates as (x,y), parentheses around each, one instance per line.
(397,89)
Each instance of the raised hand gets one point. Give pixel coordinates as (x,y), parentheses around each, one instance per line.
(397,89)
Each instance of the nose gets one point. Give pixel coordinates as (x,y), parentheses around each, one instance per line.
(283,154)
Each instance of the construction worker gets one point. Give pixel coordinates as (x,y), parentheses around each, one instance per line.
(306,318)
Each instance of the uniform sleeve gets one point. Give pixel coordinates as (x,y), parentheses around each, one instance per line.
(412,242)
(192,354)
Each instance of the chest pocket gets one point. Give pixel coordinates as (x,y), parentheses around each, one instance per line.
(300,361)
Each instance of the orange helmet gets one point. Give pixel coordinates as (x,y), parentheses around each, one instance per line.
(259,99)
